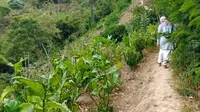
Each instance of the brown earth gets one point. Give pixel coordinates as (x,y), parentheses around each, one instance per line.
(147,89)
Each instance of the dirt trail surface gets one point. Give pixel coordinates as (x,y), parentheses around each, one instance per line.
(127,15)
(147,89)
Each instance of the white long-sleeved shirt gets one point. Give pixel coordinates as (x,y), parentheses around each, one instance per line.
(164,43)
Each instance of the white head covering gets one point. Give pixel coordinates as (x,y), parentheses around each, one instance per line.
(162,19)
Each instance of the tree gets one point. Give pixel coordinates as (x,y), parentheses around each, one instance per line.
(16,4)
(29,34)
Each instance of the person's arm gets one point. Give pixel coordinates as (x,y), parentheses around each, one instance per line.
(158,36)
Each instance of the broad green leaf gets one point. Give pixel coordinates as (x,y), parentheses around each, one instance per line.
(112,70)
(102,40)
(62,107)
(97,57)
(95,92)
(94,83)
(88,61)
(119,65)
(70,66)
(26,107)
(66,84)
(186,7)
(64,78)
(56,79)
(86,87)
(38,107)
(11,105)
(195,13)
(6,92)
(36,86)
(95,70)
(85,75)
(3,60)
(18,65)
(195,21)
(35,100)
(115,78)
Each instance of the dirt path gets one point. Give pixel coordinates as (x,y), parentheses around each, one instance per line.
(125,18)
(127,15)
(148,89)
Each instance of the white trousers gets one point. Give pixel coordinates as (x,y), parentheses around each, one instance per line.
(164,56)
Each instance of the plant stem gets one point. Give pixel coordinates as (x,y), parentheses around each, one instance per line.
(93,99)
(81,109)
(61,95)
(107,105)
(44,101)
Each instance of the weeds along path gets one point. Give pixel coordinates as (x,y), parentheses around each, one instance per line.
(147,89)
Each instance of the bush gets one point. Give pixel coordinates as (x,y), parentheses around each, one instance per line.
(28,34)
(122,4)
(66,30)
(142,18)
(16,4)
(101,12)
(111,20)
(132,57)
(132,54)
(4,11)
(116,32)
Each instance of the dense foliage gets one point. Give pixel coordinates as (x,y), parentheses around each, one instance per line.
(38,30)
(186,57)
(89,72)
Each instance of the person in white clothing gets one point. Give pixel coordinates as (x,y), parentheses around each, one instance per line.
(166,46)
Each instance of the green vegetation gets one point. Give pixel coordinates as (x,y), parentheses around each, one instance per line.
(186,58)
(38,32)
(90,72)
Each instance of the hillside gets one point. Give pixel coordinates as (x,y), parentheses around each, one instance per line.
(99,56)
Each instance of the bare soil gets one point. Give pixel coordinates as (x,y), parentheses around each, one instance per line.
(147,89)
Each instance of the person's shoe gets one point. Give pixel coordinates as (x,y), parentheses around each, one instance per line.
(165,66)
(159,64)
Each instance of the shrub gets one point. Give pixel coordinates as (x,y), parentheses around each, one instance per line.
(30,35)
(16,4)
(116,32)
(132,57)
(4,11)
(66,29)
(142,18)
(111,20)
